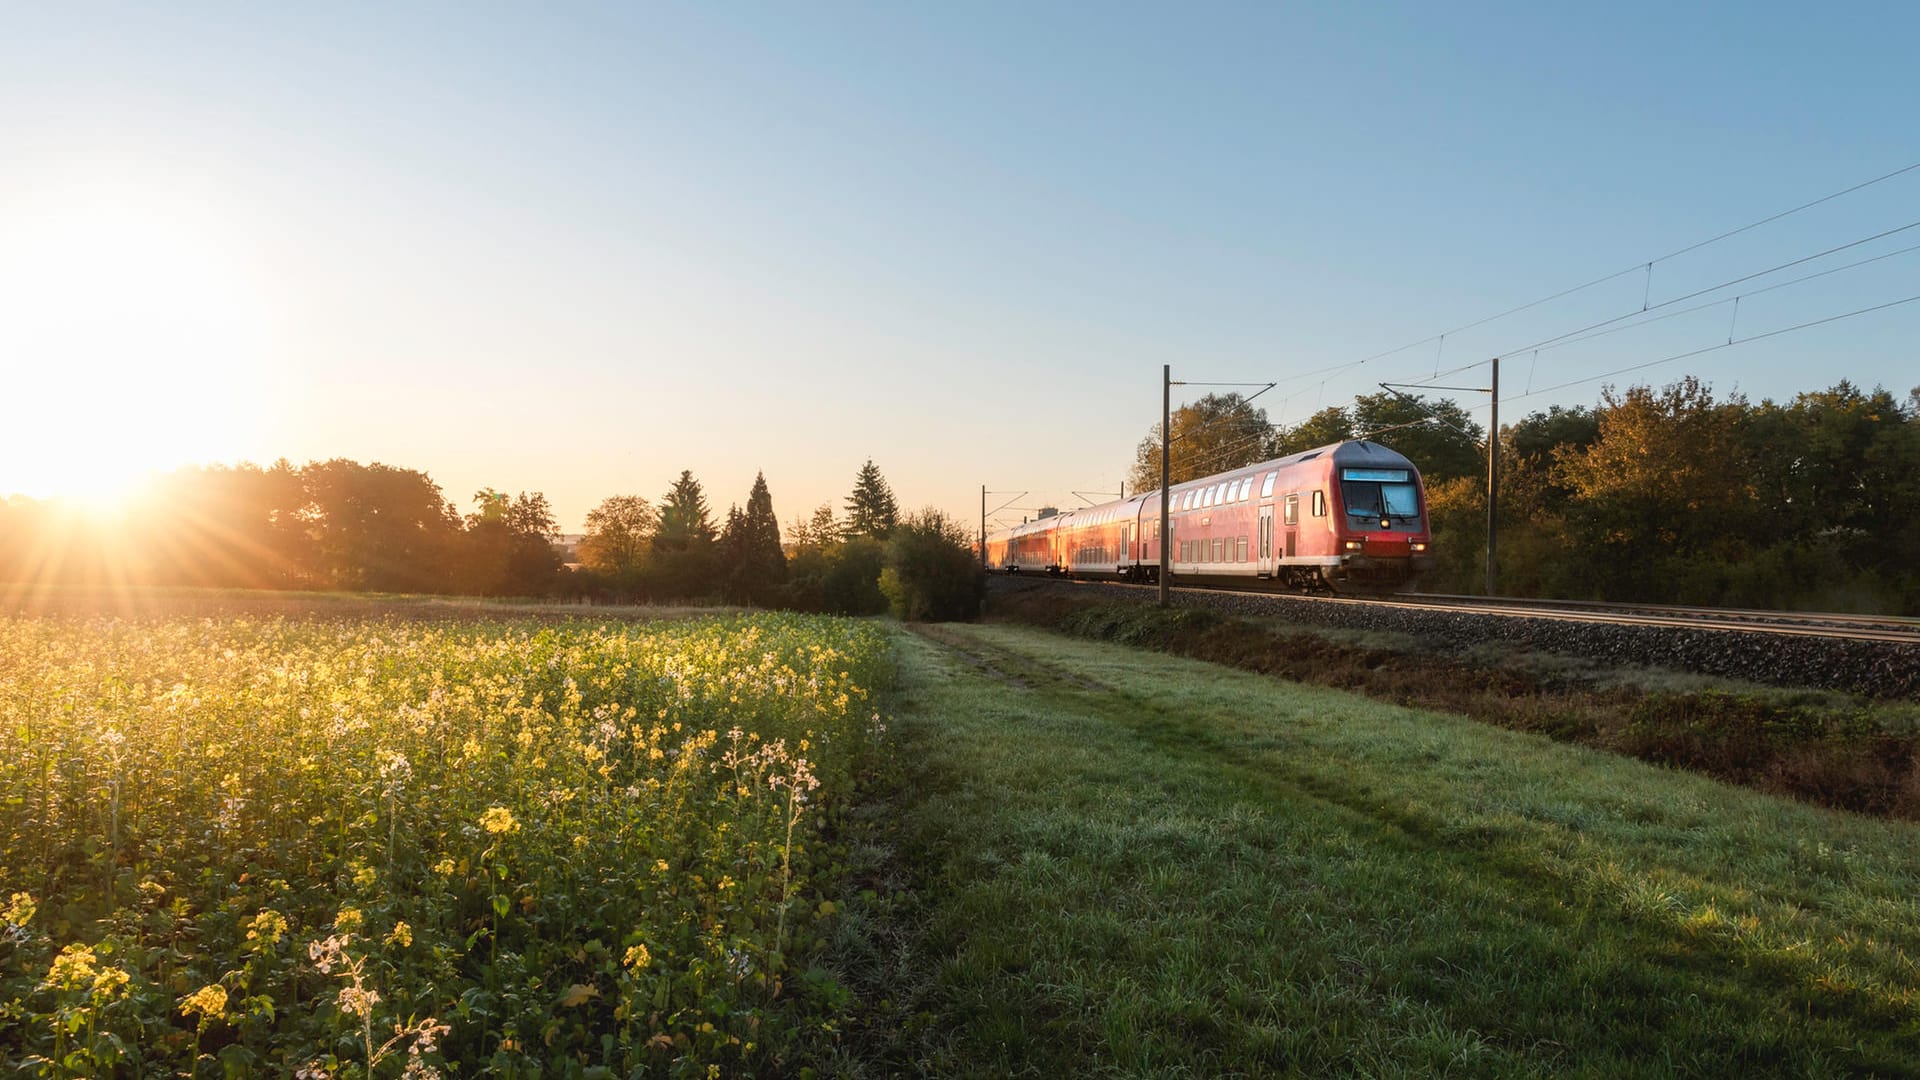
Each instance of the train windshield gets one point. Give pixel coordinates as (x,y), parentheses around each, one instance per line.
(1373,495)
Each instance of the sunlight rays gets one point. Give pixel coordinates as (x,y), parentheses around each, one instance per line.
(139,337)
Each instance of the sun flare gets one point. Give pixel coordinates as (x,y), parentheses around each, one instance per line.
(136,341)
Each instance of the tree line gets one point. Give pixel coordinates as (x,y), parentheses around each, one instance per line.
(342,525)
(1669,495)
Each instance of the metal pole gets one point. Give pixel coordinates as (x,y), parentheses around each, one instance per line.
(1166,469)
(1493,482)
(983,526)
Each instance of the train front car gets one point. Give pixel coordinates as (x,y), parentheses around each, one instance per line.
(1380,519)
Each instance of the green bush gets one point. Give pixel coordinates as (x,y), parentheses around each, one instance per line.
(839,579)
(932,574)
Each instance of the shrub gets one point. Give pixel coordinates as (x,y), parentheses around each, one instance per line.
(841,579)
(931,572)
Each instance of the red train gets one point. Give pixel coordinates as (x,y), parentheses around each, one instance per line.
(1351,517)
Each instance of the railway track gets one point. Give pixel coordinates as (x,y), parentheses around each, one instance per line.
(1874,656)
(1844,627)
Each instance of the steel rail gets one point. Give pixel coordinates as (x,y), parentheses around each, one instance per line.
(1892,629)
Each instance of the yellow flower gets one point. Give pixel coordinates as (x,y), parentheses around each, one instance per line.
(267,927)
(401,935)
(109,981)
(499,820)
(365,876)
(639,957)
(660,865)
(348,920)
(444,868)
(209,1001)
(19,910)
(72,967)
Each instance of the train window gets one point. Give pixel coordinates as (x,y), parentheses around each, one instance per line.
(1266,486)
(1218,554)
(1293,510)
(1241,555)
(1246,489)
(1319,503)
(1370,500)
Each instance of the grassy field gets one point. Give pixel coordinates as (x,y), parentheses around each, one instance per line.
(1101,861)
(1824,747)
(353,847)
(245,840)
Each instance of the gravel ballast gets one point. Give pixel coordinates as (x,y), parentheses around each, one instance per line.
(1875,669)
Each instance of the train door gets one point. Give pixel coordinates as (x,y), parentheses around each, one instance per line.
(1126,552)
(1266,540)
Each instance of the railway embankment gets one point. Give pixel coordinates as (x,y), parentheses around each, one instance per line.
(1826,721)
(1879,670)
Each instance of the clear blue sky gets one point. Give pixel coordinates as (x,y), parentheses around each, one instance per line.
(580,249)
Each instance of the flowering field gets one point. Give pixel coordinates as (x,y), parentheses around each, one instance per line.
(353,847)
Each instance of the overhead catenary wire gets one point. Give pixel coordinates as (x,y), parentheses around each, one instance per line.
(1544,342)
(1722,345)
(1570,337)
(1642,266)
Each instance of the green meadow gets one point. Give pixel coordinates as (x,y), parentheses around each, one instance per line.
(1114,862)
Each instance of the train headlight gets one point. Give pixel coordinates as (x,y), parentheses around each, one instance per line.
(1418,546)
(1355,545)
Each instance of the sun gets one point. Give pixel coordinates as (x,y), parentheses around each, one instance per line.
(136,340)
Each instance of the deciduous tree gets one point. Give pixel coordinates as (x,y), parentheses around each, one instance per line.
(619,532)
(1213,434)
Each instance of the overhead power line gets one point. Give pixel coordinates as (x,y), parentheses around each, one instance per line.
(1722,302)
(1644,266)
(1544,342)
(1722,345)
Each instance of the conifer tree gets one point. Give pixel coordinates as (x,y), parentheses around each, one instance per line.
(871,510)
(685,559)
(817,531)
(756,565)
(684,523)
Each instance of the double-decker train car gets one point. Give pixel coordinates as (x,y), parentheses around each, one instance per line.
(1350,517)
